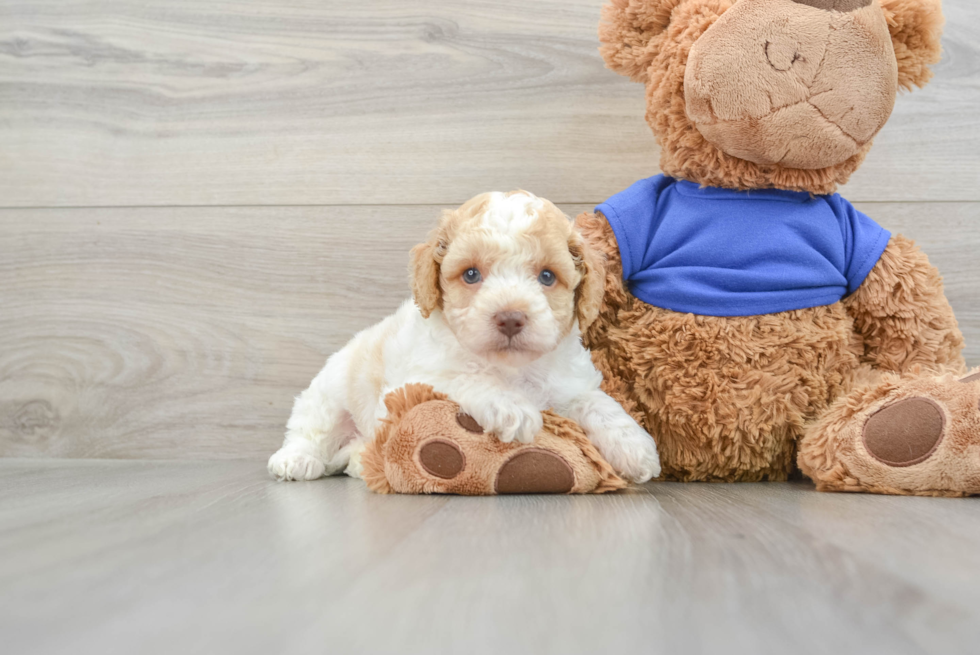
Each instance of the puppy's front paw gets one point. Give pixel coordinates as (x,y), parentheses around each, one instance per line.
(632,453)
(294,464)
(511,419)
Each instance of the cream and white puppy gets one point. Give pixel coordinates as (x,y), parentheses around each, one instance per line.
(501,291)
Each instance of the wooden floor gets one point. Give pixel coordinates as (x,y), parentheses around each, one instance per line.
(213,557)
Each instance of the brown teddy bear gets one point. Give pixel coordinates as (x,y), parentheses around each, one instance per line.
(753,318)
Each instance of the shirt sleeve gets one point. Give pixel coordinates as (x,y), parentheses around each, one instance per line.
(632,215)
(864,242)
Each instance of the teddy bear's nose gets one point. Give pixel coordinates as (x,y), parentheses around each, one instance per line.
(510,323)
(835,5)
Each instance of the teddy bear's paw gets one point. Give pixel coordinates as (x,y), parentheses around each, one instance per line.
(913,436)
(515,469)
(535,471)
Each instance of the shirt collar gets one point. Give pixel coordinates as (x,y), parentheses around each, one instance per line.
(717,193)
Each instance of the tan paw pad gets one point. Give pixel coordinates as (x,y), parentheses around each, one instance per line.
(535,471)
(469,423)
(442,458)
(905,433)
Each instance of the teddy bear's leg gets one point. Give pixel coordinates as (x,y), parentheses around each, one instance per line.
(915,434)
(912,422)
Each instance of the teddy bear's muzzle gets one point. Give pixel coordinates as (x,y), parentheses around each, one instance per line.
(797,83)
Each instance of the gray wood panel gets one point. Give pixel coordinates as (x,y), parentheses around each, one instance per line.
(183,332)
(212,557)
(169,333)
(203,102)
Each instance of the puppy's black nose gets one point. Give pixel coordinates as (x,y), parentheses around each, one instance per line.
(510,323)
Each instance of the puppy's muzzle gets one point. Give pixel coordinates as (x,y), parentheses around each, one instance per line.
(510,323)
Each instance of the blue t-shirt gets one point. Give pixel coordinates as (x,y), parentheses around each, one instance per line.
(721,252)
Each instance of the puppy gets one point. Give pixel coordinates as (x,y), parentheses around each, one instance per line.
(501,290)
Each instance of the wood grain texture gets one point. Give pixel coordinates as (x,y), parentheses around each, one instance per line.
(182,557)
(138,333)
(169,333)
(262,102)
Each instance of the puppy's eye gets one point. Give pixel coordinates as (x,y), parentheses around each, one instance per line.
(547,278)
(472,276)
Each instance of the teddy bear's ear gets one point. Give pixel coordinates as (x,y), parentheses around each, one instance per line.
(916,28)
(628,32)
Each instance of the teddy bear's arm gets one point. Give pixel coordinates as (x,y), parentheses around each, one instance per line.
(902,315)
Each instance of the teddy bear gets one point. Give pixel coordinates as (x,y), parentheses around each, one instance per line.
(753,320)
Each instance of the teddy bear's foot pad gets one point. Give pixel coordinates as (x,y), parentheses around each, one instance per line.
(906,432)
(910,436)
(535,471)
(442,459)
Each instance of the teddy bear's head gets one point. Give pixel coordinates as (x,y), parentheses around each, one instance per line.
(752,94)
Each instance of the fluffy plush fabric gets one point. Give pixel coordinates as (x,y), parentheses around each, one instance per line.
(651,42)
(902,316)
(838,454)
(424,447)
(916,29)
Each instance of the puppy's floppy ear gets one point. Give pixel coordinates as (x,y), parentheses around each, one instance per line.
(916,27)
(591,288)
(628,32)
(424,271)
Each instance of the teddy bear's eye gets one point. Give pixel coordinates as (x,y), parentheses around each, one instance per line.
(472,276)
(547,278)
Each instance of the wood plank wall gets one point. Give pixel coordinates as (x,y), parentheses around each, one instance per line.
(199,201)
